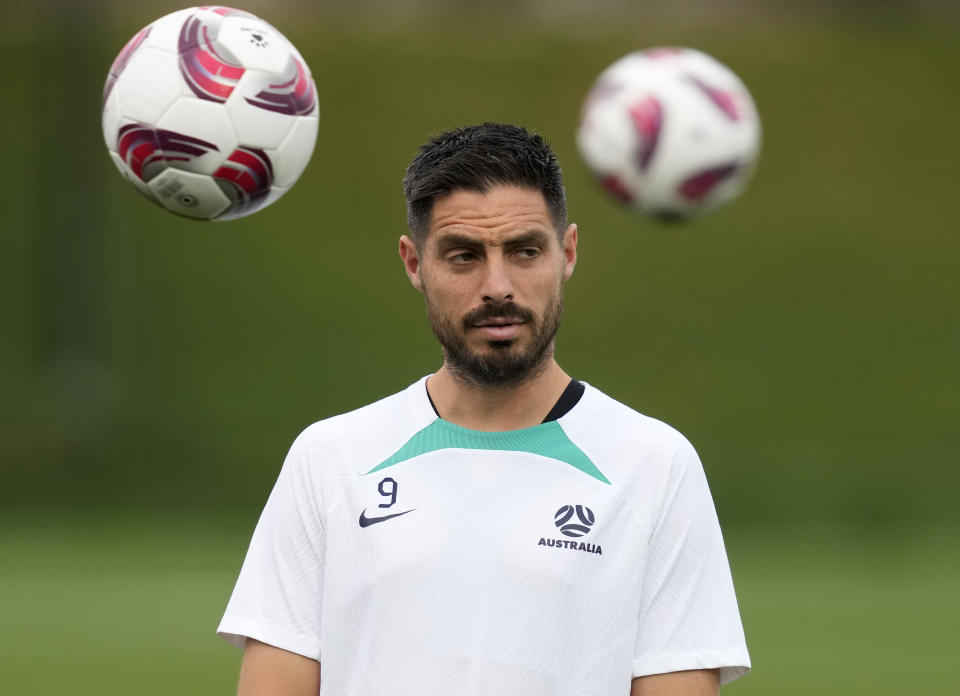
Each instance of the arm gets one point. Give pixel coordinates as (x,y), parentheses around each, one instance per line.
(270,671)
(698,682)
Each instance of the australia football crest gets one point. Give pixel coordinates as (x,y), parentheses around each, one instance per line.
(573,521)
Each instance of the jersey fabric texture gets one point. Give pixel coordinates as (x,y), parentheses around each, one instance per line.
(414,557)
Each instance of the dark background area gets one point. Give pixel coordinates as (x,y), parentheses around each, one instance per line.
(154,370)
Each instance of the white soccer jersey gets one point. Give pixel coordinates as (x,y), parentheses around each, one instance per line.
(414,557)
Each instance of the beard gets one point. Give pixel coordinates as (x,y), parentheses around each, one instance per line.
(503,363)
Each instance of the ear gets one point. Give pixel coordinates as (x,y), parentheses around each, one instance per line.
(569,251)
(411,261)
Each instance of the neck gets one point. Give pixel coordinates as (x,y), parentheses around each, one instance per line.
(497,408)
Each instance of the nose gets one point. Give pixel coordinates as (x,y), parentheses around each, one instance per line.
(497,282)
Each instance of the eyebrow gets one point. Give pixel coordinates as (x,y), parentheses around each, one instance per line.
(529,237)
(453,239)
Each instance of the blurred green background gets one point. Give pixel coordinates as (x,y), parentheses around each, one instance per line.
(806,338)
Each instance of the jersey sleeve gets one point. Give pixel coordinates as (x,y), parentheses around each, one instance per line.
(689,617)
(278,597)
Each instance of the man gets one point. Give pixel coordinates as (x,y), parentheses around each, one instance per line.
(497,528)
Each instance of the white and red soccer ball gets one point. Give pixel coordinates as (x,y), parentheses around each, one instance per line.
(210,112)
(670,132)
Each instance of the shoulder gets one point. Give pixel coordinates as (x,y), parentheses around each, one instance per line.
(601,419)
(370,433)
(641,456)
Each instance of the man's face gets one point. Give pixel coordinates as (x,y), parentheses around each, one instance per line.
(492,270)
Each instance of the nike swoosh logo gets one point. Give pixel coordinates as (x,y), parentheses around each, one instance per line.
(367,521)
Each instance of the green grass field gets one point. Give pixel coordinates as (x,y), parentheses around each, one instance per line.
(119,605)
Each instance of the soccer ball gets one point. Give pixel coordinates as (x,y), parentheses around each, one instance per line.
(210,113)
(670,132)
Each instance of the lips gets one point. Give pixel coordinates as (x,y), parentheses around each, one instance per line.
(499,328)
(503,322)
(498,321)
(499,332)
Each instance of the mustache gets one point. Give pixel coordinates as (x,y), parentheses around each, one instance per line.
(490,311)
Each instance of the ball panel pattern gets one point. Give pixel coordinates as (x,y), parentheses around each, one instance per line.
(246,178)
(110,120)
(698,186)
(210,112)
(203,120)
(293,94)
(123,58)
(294,152)
(148,151)
(137,183)
(210,70)
(647,118)
(232,213)
(670,132)
(256,44)
(189,194)
(148,86)
(256,127)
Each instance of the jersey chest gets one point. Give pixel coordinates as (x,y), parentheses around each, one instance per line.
(490,522)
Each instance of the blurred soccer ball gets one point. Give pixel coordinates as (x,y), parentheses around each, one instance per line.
(670,132)
(210,112)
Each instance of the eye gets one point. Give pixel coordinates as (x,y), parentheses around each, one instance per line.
(527,252)
(461,257)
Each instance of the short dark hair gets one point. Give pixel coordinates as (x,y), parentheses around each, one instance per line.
(476,158)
